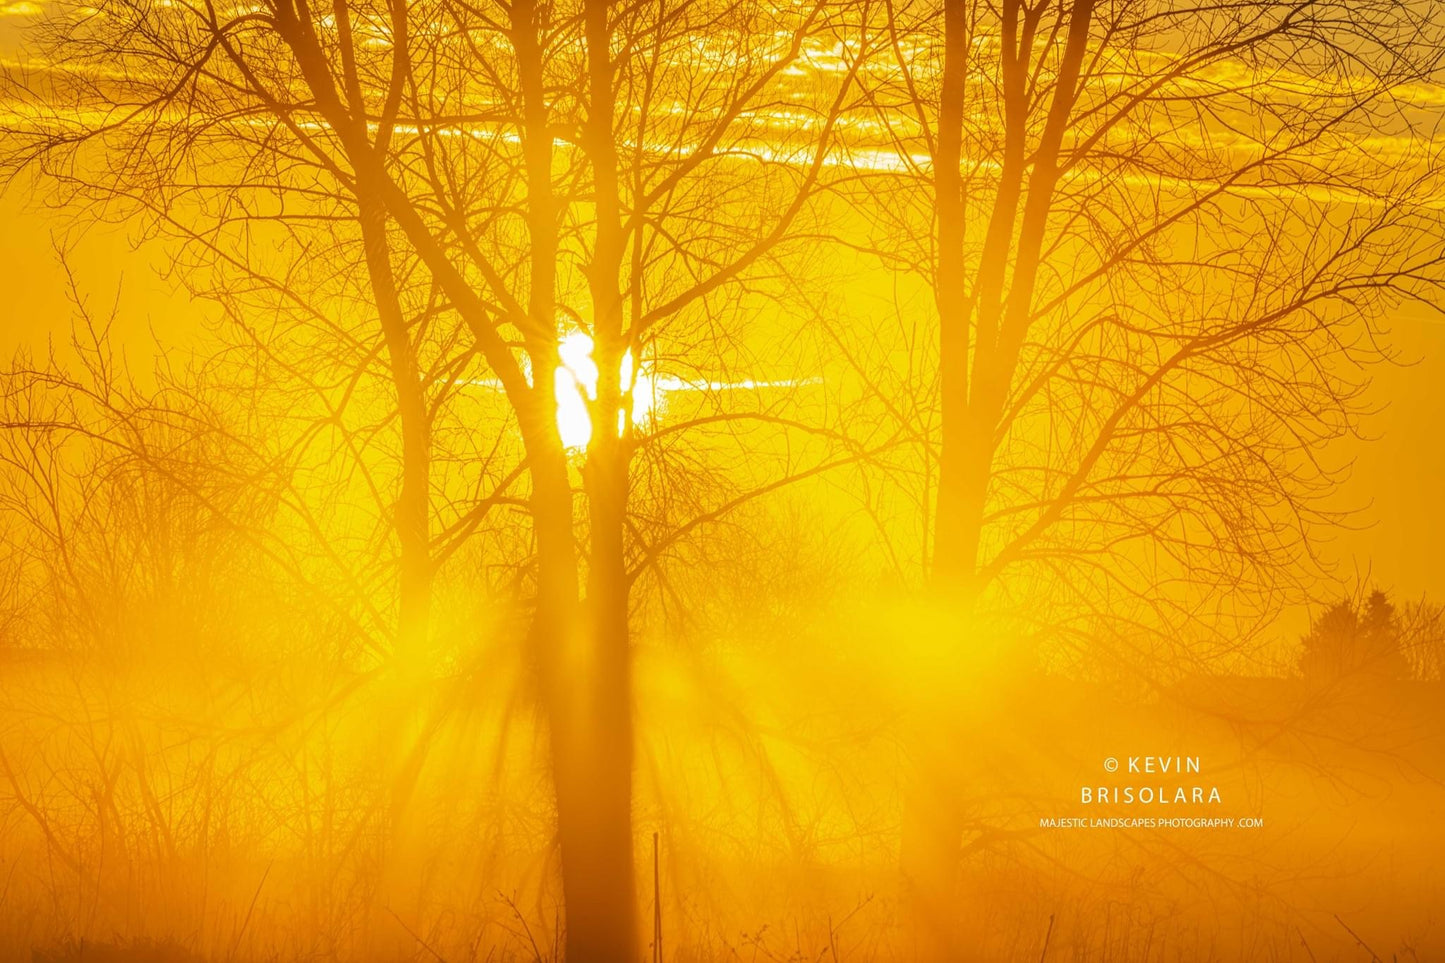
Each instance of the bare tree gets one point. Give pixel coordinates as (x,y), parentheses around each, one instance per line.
(547,167)
(1159,239)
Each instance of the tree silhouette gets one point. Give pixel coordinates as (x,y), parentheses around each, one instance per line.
(1157,244)
(1351,640)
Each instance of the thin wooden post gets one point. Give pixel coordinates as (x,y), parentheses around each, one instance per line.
(656,905)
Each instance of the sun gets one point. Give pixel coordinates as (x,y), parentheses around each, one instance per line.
(576,384)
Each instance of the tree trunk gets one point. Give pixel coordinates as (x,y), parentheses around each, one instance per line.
(930,844)
(951,558)
(406,750)
(412,511)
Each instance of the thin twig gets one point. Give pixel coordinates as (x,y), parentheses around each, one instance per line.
(236,944)
(1365,946)
(413,934)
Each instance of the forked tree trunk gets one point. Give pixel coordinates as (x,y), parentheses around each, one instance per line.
(982,332)
(604,927)
(584,672)
(584,668)
(583,647)
(598,878)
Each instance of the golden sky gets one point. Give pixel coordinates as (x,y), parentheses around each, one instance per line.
(1396,484)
